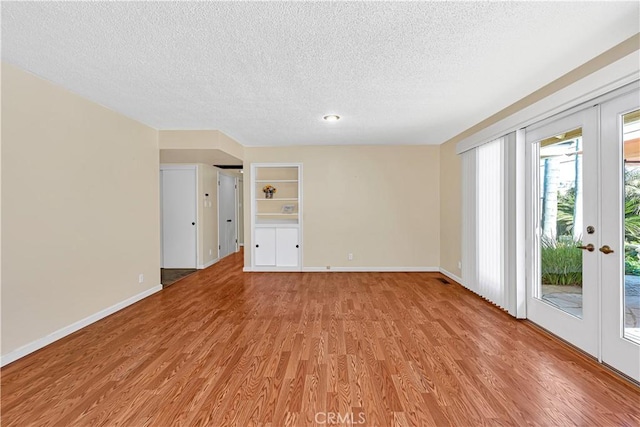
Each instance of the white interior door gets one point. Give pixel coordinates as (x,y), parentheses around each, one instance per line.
(620,175)
(227,214)
(179,230)
(562,280)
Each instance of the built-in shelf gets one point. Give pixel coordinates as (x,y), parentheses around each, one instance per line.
(271,222)
(276,234)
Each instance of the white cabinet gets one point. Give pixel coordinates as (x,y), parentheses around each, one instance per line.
(276,247)
(265,246)
(287,247)
(276,216)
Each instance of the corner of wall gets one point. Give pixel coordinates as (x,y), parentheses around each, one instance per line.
(450,209)
(230,146)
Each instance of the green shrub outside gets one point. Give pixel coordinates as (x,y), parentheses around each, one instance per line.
(561,261)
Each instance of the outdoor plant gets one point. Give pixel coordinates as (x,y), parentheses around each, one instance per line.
(631,266)
(566,206)
(631,260)
(566,203)
(561,261)
(632,221)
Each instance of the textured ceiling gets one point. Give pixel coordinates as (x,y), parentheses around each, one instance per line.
(266,72)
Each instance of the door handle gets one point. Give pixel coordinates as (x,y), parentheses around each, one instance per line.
(257,246)
(228,220)
(193,223)
(606,250)
(297,246)
(588,247)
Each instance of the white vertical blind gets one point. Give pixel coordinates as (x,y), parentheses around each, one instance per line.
(483,231)
(490,221)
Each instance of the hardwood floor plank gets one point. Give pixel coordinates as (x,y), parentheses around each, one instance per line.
(222,347)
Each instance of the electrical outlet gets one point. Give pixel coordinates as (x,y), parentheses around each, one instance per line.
(350,257)
(210,251)
(328,267)
(141,278)
(459,264)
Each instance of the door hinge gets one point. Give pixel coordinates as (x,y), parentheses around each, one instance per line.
(236,240)
(218,182)
(219,247)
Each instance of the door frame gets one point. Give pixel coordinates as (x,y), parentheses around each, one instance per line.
(235,211)
(193,168)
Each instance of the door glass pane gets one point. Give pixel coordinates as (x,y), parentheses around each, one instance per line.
(560,207)
(631,141)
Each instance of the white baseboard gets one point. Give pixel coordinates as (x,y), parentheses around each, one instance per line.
(67,330)
(209,264)
(348,269)
(351,270)
(370,269)
(271,269)
(451,276)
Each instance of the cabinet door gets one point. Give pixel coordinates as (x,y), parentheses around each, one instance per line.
(287,250)
(265,246)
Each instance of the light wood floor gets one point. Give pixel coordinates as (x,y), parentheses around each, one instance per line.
(222,347)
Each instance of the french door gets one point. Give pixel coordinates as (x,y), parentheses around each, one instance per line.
(583,230)
(620,263)
(562,291)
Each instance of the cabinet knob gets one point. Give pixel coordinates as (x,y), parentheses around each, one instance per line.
(297,246)
(257,246)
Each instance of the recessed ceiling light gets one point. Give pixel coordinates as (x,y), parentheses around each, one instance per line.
(332,117)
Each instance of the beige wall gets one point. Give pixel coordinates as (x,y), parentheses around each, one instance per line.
(230,146)
(1,352)
(199,140)
(241,210)
(208,216)
(450,209)
(80,201)
(381,203)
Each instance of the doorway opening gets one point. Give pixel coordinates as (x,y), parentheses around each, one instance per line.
(169,276)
